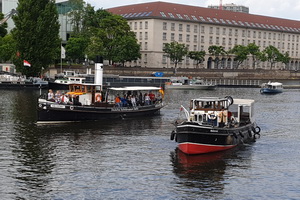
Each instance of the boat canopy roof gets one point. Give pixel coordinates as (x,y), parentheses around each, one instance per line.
(133,88)
(208,99)
(273,83)
(243,102)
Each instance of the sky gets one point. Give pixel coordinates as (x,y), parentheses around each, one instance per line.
(287,9)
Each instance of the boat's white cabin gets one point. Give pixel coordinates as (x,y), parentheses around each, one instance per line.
(213,111)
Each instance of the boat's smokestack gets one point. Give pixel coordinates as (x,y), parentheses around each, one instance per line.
(99,71)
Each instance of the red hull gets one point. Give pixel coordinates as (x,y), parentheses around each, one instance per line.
(193,148)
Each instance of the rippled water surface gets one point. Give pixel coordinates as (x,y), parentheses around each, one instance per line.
(135,159)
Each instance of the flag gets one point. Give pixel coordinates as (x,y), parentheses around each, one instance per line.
(63,52)
(26,63)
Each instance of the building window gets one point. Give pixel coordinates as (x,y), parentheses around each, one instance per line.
(202,48)
(164,25)
(164,59)
(265,35)
(243,33)
(141,25)
(145,58)
(202,29)
(180,38)
(195,29)
(235,41)
(269,36)
(141,36)
(289,37)
(259,34)
(195,38)
(172,26)
(164,36)
(146,35)
(135,25)
(188,28)
(130,25)
(223,41)
(249,34)
(141,48)
(229,41)
(210,39)
(211,30)
(146,26)
(230,32)
(146,45)
(243,41)
(224,31)
(172,36)
(217,40)
(195,48)
(218,31)
(236,32)
(202,39)
(180,27)
(254,34)
(188,38)
(274,36)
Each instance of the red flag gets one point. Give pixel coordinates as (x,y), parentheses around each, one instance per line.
(26,63)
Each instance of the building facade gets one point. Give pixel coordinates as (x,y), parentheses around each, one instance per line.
(158,23)
(232,7)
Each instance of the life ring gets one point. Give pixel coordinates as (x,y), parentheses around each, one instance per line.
(229,99)
(98,98)
(256,129)
(71,107)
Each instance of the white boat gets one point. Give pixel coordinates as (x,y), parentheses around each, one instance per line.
(186,83)
(271,88)
(63,83)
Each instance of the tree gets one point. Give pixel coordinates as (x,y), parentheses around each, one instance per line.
(285,58)
(7,48)
(75,48)
(216,51)
(36,34)
(3,27)
(241,53)
(255,53)
(128,49)
(198,56)
(175,52)
(272,55)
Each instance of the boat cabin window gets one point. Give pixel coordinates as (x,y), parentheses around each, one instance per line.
(209,105)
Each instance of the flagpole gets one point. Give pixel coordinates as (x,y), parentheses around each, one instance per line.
(60,59)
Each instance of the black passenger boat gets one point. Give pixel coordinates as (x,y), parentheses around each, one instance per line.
(216,124)
(92,102)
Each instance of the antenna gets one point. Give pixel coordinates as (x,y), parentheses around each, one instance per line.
(220,7)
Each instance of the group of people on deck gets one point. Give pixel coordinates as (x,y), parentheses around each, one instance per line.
(63,98)
(133,100)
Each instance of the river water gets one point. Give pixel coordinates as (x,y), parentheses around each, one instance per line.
(135,159)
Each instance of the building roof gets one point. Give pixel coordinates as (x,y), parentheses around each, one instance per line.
(205,15)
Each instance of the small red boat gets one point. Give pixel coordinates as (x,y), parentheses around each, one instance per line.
(216,124)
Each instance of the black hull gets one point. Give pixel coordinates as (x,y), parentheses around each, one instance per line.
(197,139)
(87,113)
(20,85)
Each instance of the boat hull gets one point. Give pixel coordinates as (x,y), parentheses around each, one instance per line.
(66,113)
(270,91)
(197,139)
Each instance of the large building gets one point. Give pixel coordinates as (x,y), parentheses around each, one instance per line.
(158,23)
(231,7)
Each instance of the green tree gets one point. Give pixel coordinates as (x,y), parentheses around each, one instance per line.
(241,53)
(285,58)
(198,56)
(3,26)
(175,52)
(272,55)
(75,48)
(255,53)
(7,48)
(128,49)
(217,51)
(76,15)
(36,34)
